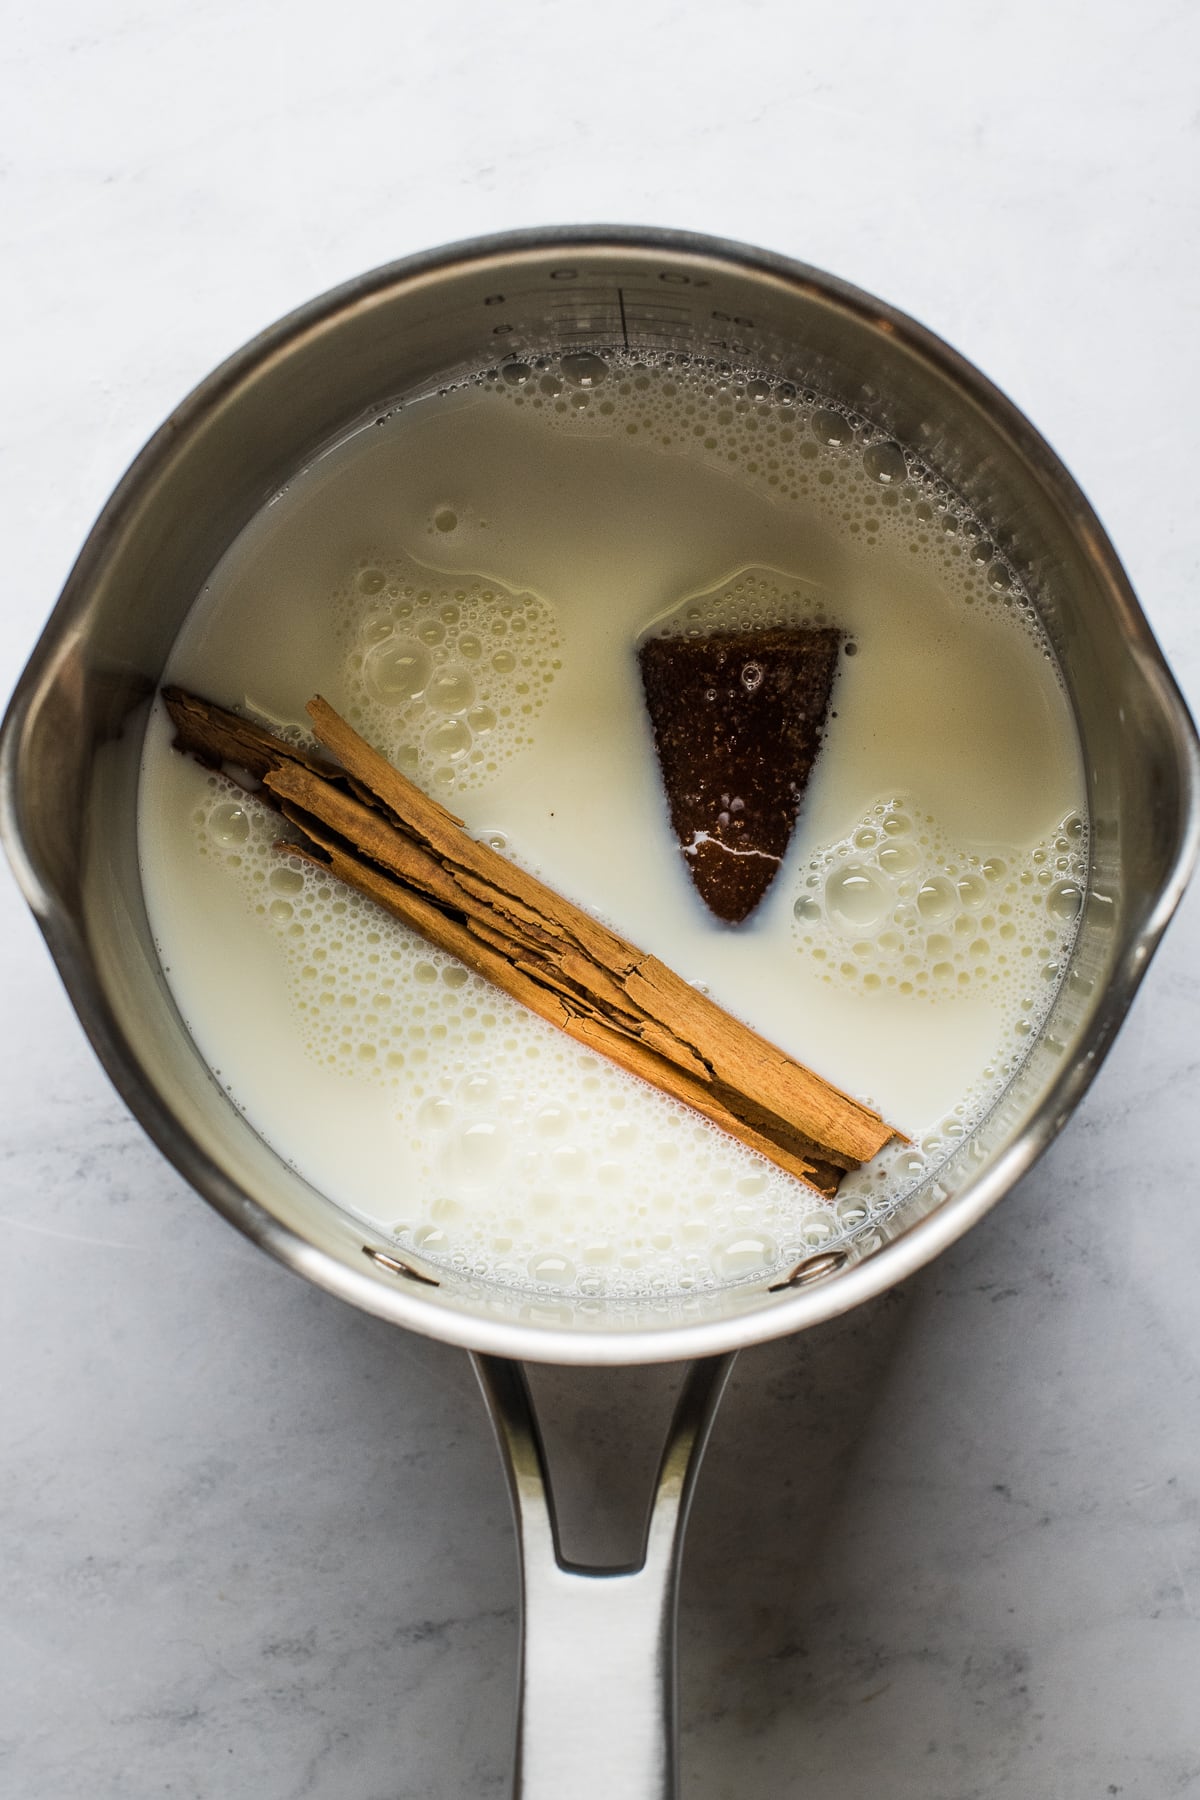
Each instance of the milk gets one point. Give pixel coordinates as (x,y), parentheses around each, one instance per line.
(468,580)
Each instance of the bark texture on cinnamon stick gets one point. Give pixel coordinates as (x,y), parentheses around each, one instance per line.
(363,820)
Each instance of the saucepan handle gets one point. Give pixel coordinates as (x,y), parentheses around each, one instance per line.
(596,1716)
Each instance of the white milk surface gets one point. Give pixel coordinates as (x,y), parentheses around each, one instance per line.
(467,581)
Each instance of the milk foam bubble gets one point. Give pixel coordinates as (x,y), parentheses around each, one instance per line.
(445,676)
(896,904)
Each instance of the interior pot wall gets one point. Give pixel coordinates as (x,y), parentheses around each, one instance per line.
(250,428)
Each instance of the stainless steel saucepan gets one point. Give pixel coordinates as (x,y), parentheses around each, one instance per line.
(597,1690)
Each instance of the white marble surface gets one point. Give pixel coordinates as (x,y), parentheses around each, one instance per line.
(255,1544)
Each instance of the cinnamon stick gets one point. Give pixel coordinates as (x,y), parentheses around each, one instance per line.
(370,826)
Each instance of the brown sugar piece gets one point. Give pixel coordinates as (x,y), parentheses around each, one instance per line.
(738,718)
